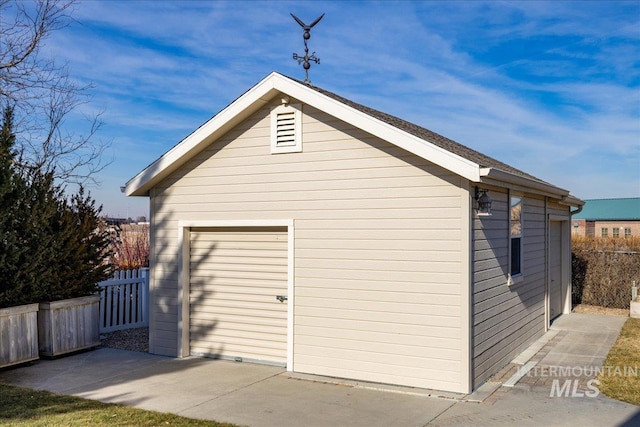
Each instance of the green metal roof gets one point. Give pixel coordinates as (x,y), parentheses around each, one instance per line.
(610,209)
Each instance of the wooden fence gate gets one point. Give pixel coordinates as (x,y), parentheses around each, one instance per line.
(124,300)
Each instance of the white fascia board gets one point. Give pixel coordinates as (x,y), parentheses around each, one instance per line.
(250,101)
(380,129)
(572,201)
(530,185)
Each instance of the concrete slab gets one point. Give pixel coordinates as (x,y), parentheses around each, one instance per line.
(581,322)
(241,393)
(286,401)
(259,395)
(587,340)
(414,391)
(177,385)
(536,408)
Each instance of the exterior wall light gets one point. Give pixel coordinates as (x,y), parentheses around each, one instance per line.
(483,202)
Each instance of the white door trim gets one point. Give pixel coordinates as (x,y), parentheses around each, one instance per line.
(184,228)
(565,253)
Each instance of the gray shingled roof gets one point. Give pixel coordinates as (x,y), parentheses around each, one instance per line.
(430,136)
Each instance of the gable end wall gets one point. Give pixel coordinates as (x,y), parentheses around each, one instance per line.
(380,247)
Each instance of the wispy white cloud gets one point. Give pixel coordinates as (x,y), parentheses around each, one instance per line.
(545,86)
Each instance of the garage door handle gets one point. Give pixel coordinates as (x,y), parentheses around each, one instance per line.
(281,298)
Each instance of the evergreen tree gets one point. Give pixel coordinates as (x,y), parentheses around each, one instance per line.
(50,247)
(26,206)
(12,191)
(83,243)
(40,231)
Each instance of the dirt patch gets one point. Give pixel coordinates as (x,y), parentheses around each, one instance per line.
(594,309)
(136,339)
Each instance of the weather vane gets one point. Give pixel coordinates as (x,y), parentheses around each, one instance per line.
(305,60)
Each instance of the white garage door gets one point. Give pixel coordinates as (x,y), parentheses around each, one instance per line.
(236,277)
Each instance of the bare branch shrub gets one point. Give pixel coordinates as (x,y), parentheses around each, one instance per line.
(603,270)
(130,247)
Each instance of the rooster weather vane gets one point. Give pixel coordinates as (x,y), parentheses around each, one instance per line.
(305,60)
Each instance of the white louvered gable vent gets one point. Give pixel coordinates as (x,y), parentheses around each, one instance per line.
(286,129)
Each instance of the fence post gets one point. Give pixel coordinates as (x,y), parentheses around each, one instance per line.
(103,305)
(144,273)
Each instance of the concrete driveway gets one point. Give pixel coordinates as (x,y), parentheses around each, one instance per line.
(258,395)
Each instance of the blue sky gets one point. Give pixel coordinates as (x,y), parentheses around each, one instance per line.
(552,88)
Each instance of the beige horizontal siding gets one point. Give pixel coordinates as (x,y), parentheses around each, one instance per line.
(400,278)
(378,253)
(390,255)
(396,370)
(163,288)
(389,177)
(163,298)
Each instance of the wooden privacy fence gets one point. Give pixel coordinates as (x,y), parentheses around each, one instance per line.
(124,300)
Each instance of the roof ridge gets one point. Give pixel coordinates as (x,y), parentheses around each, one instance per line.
(426,134)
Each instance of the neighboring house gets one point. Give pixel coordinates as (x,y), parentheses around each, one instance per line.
(608,218)
(301,229)
(116,221)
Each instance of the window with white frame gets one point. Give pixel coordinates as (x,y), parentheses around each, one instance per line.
(616,232)
(286,129)
(627,232)
(604,232)
(515,236)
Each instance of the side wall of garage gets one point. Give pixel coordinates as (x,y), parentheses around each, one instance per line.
(508,318)
(381,248)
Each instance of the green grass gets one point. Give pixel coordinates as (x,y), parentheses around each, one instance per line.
(624,353)
(26,407)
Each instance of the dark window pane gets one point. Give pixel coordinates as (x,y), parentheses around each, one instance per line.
(516,256)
